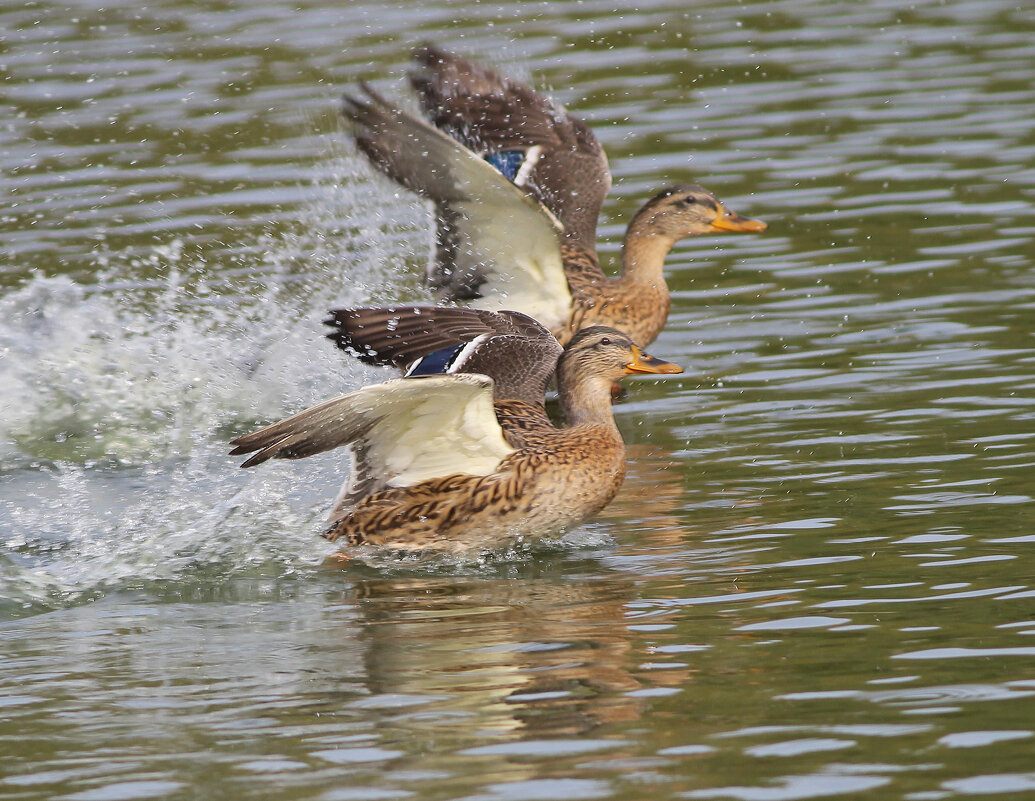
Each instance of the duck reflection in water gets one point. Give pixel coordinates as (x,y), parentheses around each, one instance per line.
(522,656)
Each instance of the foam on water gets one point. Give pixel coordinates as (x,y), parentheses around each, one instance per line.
(119,400)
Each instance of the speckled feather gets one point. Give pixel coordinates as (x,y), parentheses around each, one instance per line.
(637,309)
(537,489)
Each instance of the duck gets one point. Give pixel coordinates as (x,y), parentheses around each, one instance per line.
(518,184)
(444,462)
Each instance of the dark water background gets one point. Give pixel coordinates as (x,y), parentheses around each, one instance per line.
(817,580)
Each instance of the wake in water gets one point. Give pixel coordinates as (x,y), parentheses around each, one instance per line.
(119,399)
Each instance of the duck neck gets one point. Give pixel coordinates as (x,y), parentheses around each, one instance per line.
(644,252)
(585,400)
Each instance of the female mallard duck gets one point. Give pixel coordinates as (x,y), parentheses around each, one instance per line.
(440,466)
(527,243)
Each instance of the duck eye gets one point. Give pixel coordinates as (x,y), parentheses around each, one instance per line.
(605,341)
(689,201)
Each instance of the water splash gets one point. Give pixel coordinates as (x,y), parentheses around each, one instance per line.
(119,399)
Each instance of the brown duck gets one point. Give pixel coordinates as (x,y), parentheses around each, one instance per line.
(518,185)
(442,465)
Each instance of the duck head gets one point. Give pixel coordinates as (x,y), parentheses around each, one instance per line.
(596,358)
(690,210)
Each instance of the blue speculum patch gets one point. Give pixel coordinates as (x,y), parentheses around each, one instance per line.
(435,363)
(508,162)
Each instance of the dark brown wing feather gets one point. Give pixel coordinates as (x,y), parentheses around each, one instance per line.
(487,111)
(382,136)
(397,335)
(491,114)
(314,430)
(516,351)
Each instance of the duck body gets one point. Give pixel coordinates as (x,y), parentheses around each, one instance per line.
(539,489)
(637,308)
(525,238)
(442,462)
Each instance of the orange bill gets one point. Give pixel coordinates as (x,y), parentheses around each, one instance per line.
(645,363)
(727,220)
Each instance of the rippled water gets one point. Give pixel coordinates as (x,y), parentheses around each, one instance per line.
(815,581)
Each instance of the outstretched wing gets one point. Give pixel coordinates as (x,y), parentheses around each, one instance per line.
(403,431)
(535,141)
(518,353)
(497,245)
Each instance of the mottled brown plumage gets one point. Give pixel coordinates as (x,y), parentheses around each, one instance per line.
(535,491)
(543,480)
(564,169)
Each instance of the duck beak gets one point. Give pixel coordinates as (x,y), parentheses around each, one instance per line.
(645,363)
(727,220)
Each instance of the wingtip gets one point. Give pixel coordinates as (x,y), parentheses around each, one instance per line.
(425,53)
(373,94)
(241,450)
(258,458)
(354,107)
